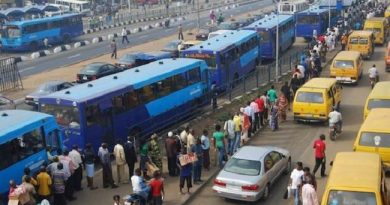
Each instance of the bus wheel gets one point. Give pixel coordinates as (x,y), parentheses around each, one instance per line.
(34,46)
(66,38)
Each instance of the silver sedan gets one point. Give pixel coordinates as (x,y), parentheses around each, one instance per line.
(248,175)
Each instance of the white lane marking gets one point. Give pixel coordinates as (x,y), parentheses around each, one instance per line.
(74,56)
(27,69)
(144,36)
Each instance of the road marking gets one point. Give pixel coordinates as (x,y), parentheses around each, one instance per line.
(144,36)
(27,69)
(74,56)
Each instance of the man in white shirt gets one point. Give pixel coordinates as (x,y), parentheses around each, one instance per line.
(335,119)
(124,36)
(372,72)
(78,172)
(251,114)
(296,181)
(190,139)
(183,136)
(120,161)
(139,186)
(229,129)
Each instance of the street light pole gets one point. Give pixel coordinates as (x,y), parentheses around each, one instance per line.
(329,13)
(277,48)
(198,14)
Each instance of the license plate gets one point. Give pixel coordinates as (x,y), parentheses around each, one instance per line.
(85,78)
(343,78)
(233,187)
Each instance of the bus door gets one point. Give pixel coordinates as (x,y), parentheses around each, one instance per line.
(106,122)
(53,139)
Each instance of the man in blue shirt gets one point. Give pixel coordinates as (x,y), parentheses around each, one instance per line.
(205,142)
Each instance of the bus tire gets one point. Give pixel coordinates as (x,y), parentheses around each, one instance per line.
(66,38)
(34,46)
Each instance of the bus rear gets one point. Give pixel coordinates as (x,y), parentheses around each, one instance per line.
(24,137)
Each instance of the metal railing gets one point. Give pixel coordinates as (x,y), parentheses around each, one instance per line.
(148,12)
(9,75)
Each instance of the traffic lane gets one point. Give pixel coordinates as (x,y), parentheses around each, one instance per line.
(298,138)
(83,53)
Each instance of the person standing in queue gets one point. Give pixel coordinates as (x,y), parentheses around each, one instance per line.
(59,181)
(69,168)
(90,165)
(113,49)
(131,156)
(180,28)
(78,163)
(155,152)
(120,161)
(104,156)
(171,150)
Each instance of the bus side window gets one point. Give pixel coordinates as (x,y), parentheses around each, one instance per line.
(22,147)
(92,113)
(165,87)
(180,81)
(147,93)
(193,76)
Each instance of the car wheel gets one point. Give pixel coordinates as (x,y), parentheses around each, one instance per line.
(288,167)
(266,192)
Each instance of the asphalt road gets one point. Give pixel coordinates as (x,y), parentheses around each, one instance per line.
(76,55)
(298,138)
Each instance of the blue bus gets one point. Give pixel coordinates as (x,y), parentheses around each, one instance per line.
(266,28)
(30,34)
(136,102)
(314,20)
(229,55)
(24,136)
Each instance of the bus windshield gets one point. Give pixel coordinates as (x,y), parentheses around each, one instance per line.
(65,115)
(21,147)
(351,197)
(307,20)
(13,31)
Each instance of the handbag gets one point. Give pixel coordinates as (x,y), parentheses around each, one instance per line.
(287,193)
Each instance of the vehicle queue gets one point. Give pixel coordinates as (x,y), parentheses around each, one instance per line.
(124,100)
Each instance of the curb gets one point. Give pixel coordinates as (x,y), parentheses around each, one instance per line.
(80,44)
(40,54)
(98,39)
(62,48)
(21,59)
(200,188)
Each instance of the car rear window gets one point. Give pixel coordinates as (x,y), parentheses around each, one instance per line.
(310,97)
(375,139)
(243,166)
(378,103)
(343,64)
(90,69)
(337,197)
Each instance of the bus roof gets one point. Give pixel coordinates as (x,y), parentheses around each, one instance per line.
(377,120)
(380,91)
(15,119)
(38,20)
(347,55)
(322,83)
(355,170)
(360,33)
(313,10)
(270,21)
(135,78)
(376,19)
(222,41)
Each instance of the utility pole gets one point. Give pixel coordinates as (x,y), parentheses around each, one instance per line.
(277,48)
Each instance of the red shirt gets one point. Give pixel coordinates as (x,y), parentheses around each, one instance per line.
(260,104)
(319,147)
(156,185)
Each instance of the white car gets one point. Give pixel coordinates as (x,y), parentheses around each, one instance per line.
(248,175)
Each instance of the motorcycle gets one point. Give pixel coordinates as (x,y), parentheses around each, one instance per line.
(373,81)
(334,131)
